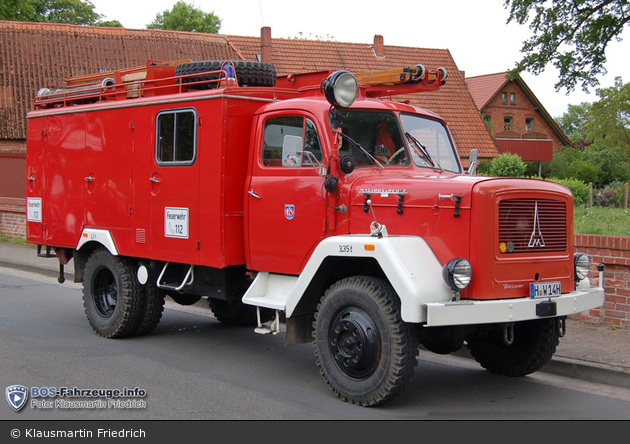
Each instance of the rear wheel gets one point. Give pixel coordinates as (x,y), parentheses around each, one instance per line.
(112,296)
(533,346)
(236,313)
(364,350)
(152,309)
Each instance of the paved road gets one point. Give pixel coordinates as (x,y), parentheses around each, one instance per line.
(192,367)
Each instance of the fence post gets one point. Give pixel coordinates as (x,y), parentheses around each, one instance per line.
(590,194)
(625,196)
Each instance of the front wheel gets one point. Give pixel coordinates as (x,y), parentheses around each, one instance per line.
(533,345)
(364,350)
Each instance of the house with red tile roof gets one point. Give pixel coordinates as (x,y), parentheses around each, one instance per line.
(516,119)
(36,55)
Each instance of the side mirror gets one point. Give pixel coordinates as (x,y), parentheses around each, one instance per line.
(472,162)
(292,151)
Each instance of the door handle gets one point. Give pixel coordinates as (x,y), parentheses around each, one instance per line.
(251,193)
(154,179)
(89,179)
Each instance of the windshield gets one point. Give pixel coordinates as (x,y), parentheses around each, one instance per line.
(433,139)
(378,133)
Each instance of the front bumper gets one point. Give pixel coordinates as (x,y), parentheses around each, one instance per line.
(468,312)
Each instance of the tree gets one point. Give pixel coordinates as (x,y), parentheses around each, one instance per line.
(572,122)
(185,17)
(17,10)
(75,12)
(571,34)
(608,121)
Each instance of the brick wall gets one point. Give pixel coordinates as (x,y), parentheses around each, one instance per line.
(13,217)
(614,253)
(13,146)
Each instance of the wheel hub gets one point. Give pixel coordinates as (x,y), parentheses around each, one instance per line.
(105,293)
(353,342)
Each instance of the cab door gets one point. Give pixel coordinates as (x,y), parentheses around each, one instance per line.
(286,213)
(174,187)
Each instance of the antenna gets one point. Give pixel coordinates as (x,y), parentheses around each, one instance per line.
(262,19)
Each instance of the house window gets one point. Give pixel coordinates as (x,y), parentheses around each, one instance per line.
(504,98)
(176,137)
(512,99)
(529,124)
(507,124)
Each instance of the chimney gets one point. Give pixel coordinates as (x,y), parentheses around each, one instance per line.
(379,46)
(265,44)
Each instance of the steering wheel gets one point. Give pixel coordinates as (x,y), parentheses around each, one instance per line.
(400,150)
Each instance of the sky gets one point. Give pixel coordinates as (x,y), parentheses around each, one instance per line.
(476,33)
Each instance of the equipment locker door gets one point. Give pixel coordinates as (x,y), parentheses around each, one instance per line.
(285,211)
(175,187)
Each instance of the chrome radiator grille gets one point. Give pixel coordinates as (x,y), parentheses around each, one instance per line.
(533,225)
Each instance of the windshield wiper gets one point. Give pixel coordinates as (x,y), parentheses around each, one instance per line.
(363,150)
(422,151)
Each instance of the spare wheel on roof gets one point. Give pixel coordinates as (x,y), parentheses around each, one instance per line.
(248,73)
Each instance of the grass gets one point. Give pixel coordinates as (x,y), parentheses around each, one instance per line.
(12,240)
(598,220)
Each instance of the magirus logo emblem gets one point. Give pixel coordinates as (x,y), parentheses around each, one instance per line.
(16,396)
(536,239)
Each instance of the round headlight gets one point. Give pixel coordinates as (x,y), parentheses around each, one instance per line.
(457,274)
(582,265)
(341,88)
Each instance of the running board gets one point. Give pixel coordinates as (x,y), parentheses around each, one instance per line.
(270,290)
(188,279)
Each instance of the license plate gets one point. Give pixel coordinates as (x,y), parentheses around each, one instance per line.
(544,290)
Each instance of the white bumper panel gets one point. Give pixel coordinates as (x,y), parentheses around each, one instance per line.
(409,263)
(508,310)
(103,237)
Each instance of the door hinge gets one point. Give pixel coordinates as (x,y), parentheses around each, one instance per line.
(131,125)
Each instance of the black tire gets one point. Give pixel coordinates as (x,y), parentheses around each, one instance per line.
(237,313)
(247,73)
(183,298)
(112,296)
(364,350)
(534,344)
(152,309)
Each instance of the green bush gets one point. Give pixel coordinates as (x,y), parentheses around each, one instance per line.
(577,187)
(484,169)
(508,165)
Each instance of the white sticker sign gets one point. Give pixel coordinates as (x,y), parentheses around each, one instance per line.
(176,222)
(34,209)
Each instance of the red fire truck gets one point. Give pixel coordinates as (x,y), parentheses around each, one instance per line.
(311,202)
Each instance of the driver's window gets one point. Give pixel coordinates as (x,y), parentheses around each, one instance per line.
(280,131)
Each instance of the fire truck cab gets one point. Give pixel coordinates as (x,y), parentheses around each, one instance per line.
(314,201)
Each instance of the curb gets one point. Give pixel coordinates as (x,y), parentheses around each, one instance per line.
(588,371)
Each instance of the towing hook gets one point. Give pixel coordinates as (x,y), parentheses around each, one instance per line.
(561,326)
(508,333)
